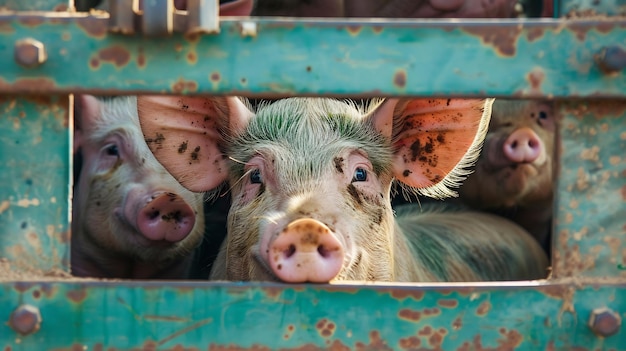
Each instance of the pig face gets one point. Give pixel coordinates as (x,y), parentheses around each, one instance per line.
(127,207)
(515,167)
(310,177)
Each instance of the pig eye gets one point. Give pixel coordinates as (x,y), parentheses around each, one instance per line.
(112,150)
(360,175)
(255,177)
(543,115)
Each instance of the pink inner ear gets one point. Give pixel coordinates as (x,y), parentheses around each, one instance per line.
(184,134)
(434,137)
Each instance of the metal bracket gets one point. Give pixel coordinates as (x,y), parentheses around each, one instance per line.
(162,18)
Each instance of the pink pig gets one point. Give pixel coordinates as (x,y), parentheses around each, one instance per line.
(131,218)
(311,178)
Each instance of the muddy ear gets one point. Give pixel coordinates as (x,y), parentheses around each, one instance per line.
(186,135)
(434,140)
(86,114)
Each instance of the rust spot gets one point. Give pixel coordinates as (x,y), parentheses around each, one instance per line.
(377,29)
(28,85)
(94,63)
(376,343)
(483,308)
(77,296)
(182,86)
(96,28)
(308,68)
(141,58)
(31,21)
(115,54)
(354,29)
(6,27)
(410,315)
(534,33)
(535,78)
(399,79)
(215,77)
(503,40)
(448,303)
(192,57)
(457,323)
(401,294)
(410,343)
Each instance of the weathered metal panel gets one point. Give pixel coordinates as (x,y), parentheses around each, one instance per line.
(150,316)
(592,7)
(590,235)
(539,58)
(35,181)
(34,5)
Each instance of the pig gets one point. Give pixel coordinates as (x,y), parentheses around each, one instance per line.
(513,177)
(310,182)
(130,218)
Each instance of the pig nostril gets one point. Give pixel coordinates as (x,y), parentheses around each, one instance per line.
(153,214)
(291,250)
(323,251)
(514,144)
(533,143)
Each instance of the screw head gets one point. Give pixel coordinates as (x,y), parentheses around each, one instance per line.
(30,52)
(611,59)
(25,319)
(604,322)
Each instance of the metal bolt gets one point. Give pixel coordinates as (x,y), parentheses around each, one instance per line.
(25,320)
(30,52)
(611,59)
(604,322)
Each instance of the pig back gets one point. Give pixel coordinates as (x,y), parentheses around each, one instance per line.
(453,243)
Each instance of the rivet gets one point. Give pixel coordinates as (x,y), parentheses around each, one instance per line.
(25,319)
(604,322)
(30,52)
(611,59)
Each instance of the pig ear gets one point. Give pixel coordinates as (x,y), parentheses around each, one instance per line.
(186,134)
(86,114)
(434,140)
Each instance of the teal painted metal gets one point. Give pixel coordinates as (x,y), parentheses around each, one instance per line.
(34,5)
(150,316)
(35,181)
(540,58)
(590,234)
(591,7)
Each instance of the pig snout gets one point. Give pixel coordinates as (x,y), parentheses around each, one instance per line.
(167,217)
(306,251)
(523,146)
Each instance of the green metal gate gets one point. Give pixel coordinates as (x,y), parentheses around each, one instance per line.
(49,51)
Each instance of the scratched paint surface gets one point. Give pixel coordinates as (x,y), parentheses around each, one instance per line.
(34,181)
(591,226)
(604,7)
(346,57)
(125,316)
(34,5)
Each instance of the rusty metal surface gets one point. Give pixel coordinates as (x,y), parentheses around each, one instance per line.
(34,5)
(178,316)
(590,229)
(588,7)
(35,181)
(539,58)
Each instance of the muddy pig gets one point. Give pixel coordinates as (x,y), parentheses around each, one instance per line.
(310,181)
(513,177)
(131,218)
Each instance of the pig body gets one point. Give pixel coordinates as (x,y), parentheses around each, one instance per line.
(513,177)
(131,218)
(310,181)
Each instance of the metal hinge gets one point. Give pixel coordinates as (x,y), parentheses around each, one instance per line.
(160,17)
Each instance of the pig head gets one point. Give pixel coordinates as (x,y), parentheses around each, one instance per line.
(513,176)
(131,218)
(310,178)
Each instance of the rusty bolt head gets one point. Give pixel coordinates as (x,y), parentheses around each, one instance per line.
(25,320)
(611,59)
(30,52)
(604,322)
